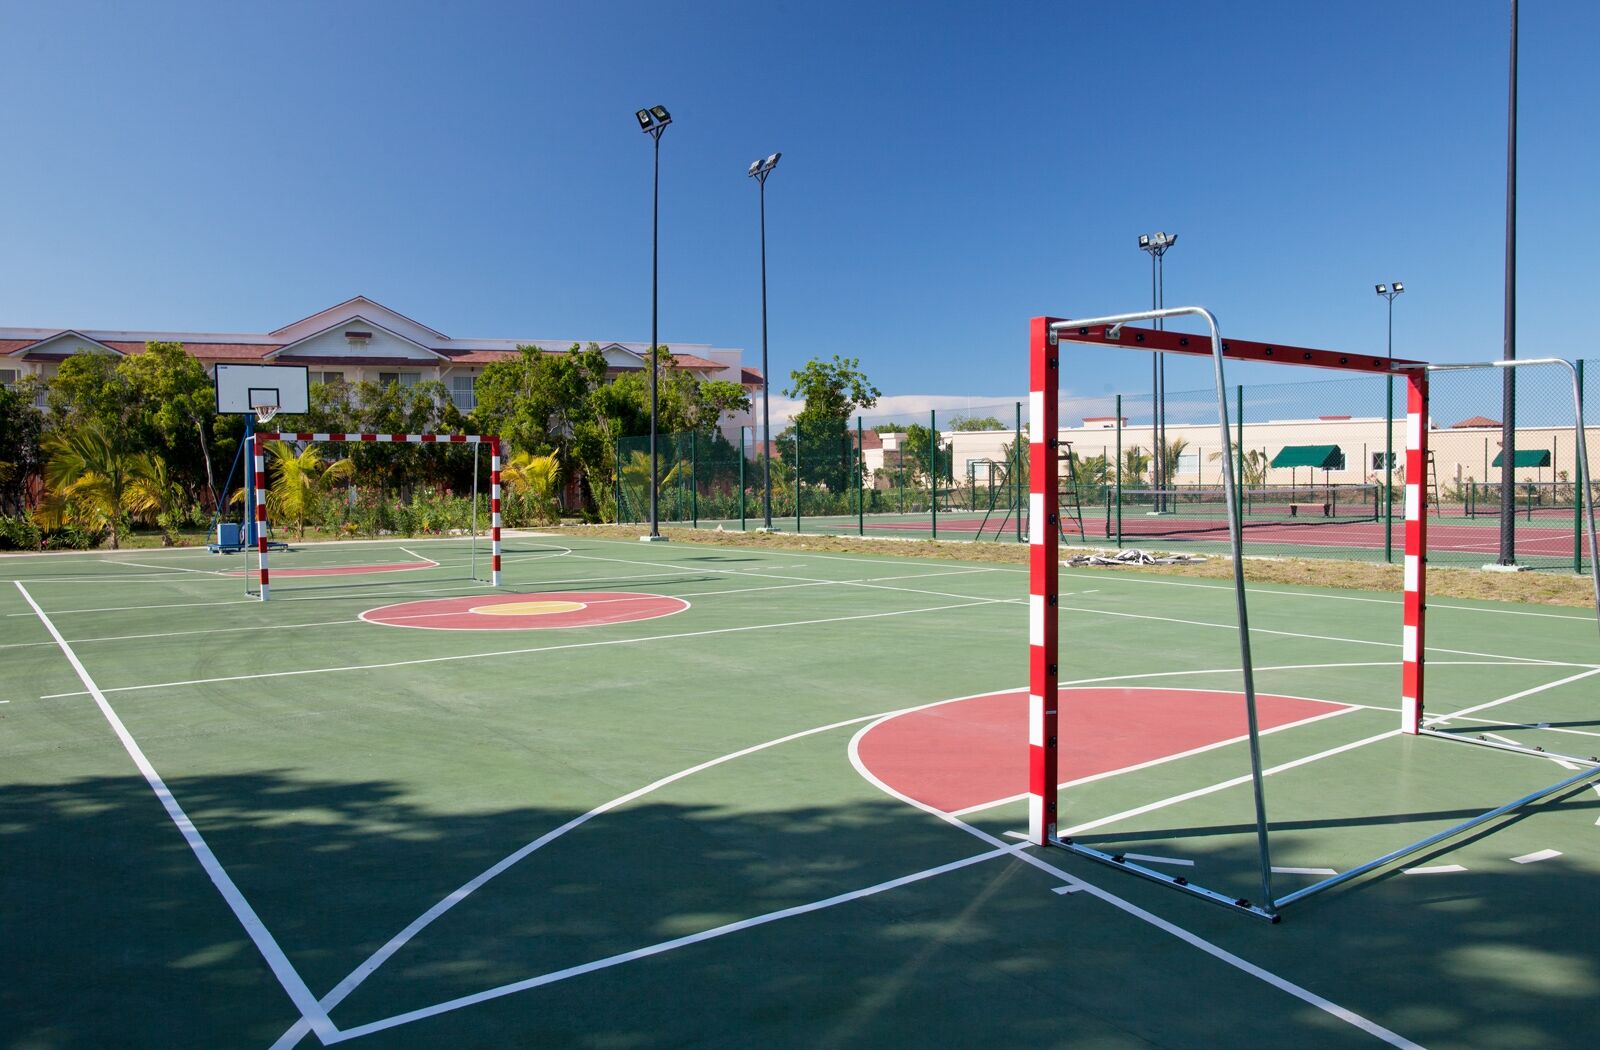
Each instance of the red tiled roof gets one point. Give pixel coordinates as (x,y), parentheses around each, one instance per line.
(871,439)
(210,351)
(1476,421)
(8,346)
(750,377)
(691,361)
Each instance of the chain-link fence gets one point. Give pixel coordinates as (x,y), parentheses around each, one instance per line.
(1320,469)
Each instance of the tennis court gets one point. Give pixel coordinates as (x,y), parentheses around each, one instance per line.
(674,794)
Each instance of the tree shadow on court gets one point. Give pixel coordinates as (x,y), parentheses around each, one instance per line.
(115,937)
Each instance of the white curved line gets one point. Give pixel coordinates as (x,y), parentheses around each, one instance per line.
(1192,939)
(370,965)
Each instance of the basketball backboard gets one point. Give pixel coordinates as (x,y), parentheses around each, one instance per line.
(243,389)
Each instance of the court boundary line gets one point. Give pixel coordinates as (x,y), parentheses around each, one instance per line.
(458,657)
(272,954)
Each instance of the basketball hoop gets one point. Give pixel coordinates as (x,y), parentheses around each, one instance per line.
(264,413)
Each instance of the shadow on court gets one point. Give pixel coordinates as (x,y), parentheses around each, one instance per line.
(114,936)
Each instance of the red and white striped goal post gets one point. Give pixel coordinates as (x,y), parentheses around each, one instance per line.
(332,438)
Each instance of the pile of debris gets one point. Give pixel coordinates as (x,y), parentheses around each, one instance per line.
(1132,556)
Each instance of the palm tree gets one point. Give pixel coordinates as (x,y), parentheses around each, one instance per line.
(298,478)
(1135,461)
(157,498)
(1255,468)
(1169,465)
(537,477)
(90,479)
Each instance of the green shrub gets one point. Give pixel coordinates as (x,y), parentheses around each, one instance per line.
(19,534)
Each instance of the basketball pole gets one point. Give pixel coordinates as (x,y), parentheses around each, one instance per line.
(249,481)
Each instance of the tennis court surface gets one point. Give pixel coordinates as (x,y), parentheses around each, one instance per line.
(681,795)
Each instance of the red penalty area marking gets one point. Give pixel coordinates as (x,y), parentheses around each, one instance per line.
(973,752)
(342,570)
(526,612)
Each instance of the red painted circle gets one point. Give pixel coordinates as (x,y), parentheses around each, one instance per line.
(339,570)
(973,752)
(543,610)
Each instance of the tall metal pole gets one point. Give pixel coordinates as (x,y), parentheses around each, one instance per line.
(1161,386)
(655,235)
(653,122)
(766,374)
(1155,401)
(1388,448)
(1508,410)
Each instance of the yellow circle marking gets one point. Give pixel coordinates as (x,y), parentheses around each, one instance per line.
(535,608)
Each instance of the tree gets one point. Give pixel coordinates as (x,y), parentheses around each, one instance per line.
(924,455)
(297,479)
(1135,461)
(536,477)
(157,498)
(90,390)
(176,404)
(90,479)
(833,391)
(969,423)
(1169,465)
(20,429)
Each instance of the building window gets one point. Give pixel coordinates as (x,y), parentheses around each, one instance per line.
(405,379)
(328,378)
(8,377)
(463,392)
(1377,459)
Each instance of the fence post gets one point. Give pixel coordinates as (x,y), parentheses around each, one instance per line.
(694,477)
(1016,471)
(1580,478)
(861,481)
(1117,492)
(797,478)
(741,480)
(933,475)
(1238,453)
(1388,470)
(616,475)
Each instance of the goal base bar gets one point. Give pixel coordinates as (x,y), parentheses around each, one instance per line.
(1177,882)
(1448,833)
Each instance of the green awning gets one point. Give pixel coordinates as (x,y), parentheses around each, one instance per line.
(1527,457)
(1322,457)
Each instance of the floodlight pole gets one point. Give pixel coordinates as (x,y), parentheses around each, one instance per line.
(759,170)
(1389,291)
(1157,244)
(1508,407)
(653,122)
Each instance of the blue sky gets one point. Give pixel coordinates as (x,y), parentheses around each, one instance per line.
(949,170)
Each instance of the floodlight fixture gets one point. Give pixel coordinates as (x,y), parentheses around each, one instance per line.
(661,114)
(755,169)
(1144,241)
(1398,287)
(644,118)
(1383,289)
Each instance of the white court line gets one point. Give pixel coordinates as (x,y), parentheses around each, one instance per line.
(1303,871)
(287,976)
(1436,869)
(1518,696)
(355,977)
(1000,850)
(1534,858)
(1147,859)
(456,658)
(1314,637)
(1188,937)
(1164,759)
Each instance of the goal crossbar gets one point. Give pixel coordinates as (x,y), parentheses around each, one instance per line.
(1045,338)
(259,454)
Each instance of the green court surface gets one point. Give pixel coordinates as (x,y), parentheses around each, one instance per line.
(674,795)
